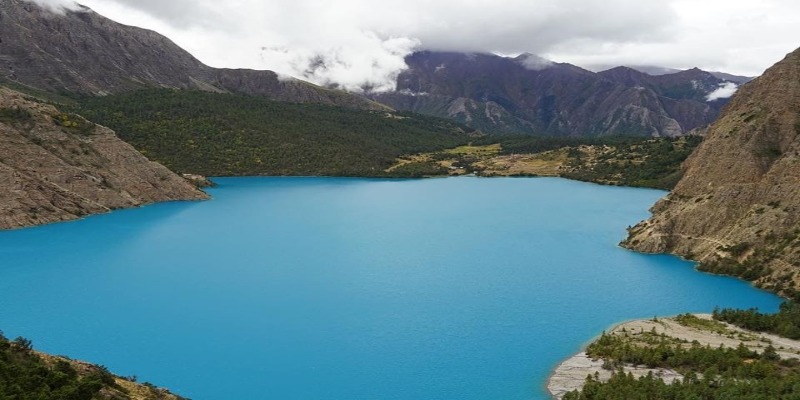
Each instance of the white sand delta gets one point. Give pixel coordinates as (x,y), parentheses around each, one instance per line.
(571,374)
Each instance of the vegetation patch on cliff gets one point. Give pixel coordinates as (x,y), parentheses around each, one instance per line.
(752,263)
(29,375)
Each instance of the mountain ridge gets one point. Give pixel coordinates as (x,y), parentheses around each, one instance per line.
(511,95)
(60,53)
(737,208)
(655,70)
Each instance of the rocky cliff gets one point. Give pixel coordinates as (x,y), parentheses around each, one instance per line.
(84,52)
(534,95)
(56,166)
(737,208)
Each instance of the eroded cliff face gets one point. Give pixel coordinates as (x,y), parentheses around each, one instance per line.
(737,208)
(57,167)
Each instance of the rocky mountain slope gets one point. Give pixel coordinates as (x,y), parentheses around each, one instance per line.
(56,166)
(737,208)
(84,52)
(533,95)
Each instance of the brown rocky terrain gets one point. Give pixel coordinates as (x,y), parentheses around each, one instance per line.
(737,208)
(56,166)
(84,52)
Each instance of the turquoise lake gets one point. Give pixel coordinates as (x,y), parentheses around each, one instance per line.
(336,288)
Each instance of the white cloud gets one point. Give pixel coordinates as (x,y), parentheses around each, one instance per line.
(534,62)
(736,36)
(57,6)
(361,43)
(725,90)
(368,63)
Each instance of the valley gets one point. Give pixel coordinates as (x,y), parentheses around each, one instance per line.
(345,270)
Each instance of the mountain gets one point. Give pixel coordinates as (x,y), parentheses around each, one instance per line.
(692,84)
(647,69)
(85,53)
(528,94)
(656,70)
(737,79)
(56,166)
(737,207)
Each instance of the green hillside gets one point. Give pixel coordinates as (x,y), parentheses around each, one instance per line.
(221,134)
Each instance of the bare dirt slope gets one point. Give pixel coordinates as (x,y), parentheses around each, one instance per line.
(737,207)
(56,167)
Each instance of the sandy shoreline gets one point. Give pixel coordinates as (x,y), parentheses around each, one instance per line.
(570,374)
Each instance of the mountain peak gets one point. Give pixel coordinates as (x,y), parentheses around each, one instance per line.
(533,62)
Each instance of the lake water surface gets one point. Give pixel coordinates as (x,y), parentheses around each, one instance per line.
(342,289)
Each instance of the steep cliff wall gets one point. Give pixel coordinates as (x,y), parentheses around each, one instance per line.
(56,166)
(737,208)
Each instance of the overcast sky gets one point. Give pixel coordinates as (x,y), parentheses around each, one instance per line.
(364,41)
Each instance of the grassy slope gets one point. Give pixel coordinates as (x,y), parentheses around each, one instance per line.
(626,161)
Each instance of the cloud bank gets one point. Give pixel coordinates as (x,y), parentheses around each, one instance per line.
(533,62)
(369,64)
(361,44)
(725,90)
(57,6)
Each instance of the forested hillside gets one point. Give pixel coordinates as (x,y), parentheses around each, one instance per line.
(221,134)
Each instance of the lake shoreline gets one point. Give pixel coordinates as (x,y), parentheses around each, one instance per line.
(308,249)
(571,373)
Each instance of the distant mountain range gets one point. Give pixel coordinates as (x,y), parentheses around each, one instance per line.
(656,70)
(82,52)
(533,95)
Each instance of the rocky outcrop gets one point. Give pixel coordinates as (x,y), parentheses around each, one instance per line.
(84,52)
(56,166)
(528,94)
(737,208)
